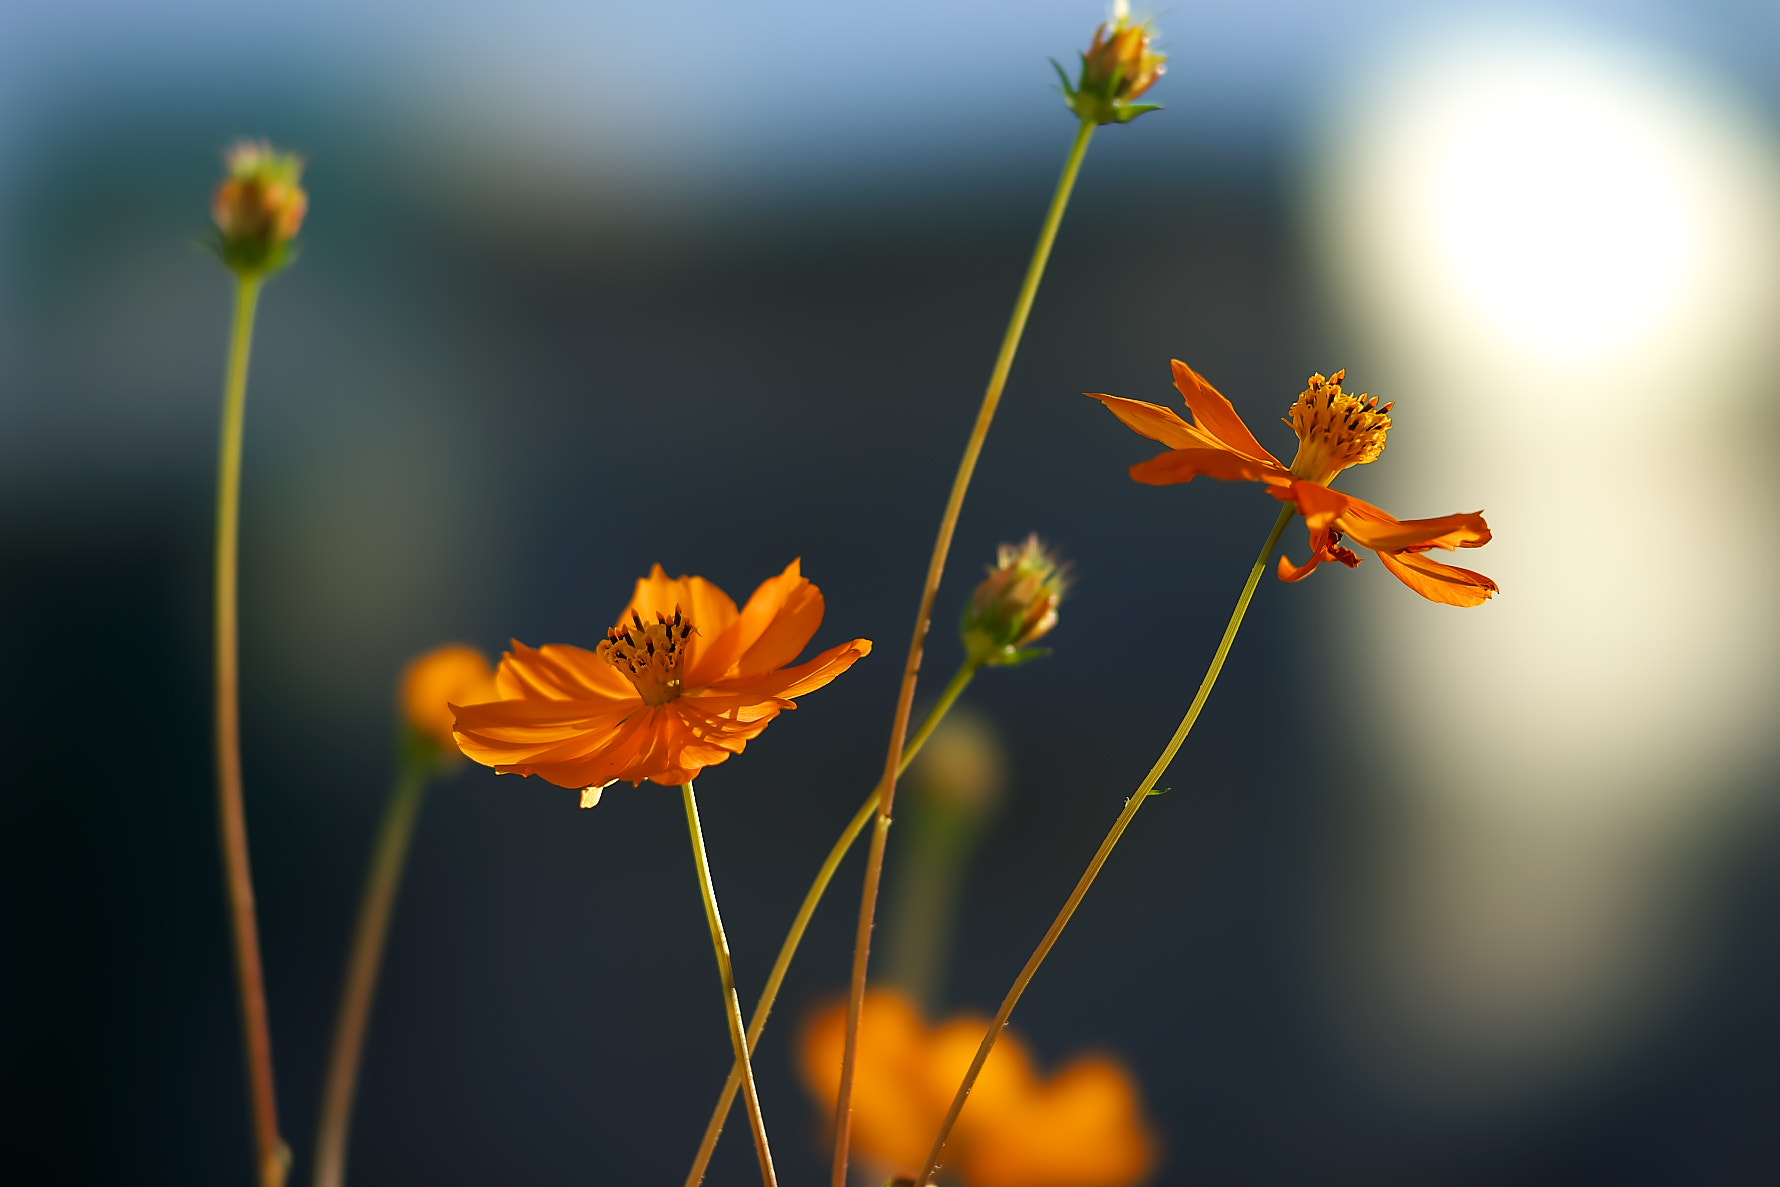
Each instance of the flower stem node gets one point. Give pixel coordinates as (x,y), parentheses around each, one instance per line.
(258,209)
(1118,67)
(1015,606)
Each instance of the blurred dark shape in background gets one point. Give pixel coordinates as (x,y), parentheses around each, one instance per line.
(525,356)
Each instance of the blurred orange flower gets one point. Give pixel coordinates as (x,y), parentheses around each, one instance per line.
(1083,1127)
(681,683)
(1335,431)
(432,683)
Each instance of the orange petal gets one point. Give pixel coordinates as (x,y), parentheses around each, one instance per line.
(778,610)
(1446,584)
(607,763)
(1084,1127)
(559,672)
(1216,415)
(1157,423)
(894,1118)
(1448,532)
(1319,504)
(1184,465)
(794,682)
(1290,572)
(710,609)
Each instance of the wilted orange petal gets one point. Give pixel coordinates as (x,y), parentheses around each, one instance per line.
(1290,572)
(1184,465)
(1157,423)
(1446,584)
(1216,415)
(1448,532)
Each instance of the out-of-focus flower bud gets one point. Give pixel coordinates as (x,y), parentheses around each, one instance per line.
(259,207)
(455,674)
(1015,606)
(964,765)
(1118,67)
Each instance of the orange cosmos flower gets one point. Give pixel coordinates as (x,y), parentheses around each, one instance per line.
(1082,1127)
(1335,431)
(431,683)
(681,683)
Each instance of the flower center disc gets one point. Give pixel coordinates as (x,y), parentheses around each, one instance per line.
(1336,430)
(649,654)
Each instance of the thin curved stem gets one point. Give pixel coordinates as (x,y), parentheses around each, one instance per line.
(1136,801)
(359,988)
(874,863)
(732,1007)
(836,853)
(272,1155)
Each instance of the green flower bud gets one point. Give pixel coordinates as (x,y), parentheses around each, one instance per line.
(258,209)
(1015,606)
(1119,66)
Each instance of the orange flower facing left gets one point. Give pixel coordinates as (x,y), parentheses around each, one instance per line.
(681,683)
(1335,431)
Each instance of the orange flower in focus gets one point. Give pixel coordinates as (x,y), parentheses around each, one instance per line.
(432,683)
(681,683)
(1083,1127)
(1335,431)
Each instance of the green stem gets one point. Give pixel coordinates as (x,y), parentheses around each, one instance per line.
(360,986)
(732,1006)
(874,864)
(272,1155)
(1106,846)
(764,1007)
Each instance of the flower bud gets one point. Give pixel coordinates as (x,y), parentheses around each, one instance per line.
(455,674)
(258,209)
(1015,606)
(1119,66)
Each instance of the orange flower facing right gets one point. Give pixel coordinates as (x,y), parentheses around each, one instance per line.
(681,683)
(1082,1127)
(1335,432)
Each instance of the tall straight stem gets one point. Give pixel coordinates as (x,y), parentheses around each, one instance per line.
(942,544)
(732,1006)
(1106,846)
(764,1007)
(359,989)
(272,1155)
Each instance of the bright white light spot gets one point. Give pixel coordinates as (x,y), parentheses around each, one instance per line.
(1570,200)
(1560,258)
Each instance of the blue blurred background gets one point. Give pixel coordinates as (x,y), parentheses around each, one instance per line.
(1439,897)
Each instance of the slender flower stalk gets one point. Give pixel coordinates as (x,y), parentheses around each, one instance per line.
(732,1006)
(429,685)
(272,1155)
(782,965)
(360,987)
(942,544)
(1143,792)
(257,211)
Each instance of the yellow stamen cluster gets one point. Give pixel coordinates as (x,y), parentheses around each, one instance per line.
(649,654)
(1336,430)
